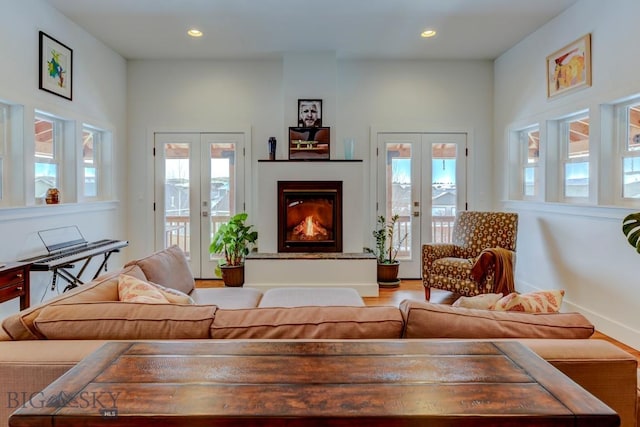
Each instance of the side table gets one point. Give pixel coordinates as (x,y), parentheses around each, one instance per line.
(14,282)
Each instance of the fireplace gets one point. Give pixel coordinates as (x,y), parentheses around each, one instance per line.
(309,216)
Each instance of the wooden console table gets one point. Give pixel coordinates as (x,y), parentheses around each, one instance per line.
(328,383)
(14,283)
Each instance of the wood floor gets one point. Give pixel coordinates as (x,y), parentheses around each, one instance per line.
(412,289)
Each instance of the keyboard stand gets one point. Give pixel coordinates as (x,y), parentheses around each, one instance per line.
(74,280)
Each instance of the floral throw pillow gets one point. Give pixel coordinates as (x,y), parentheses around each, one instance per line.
(131,289)
(482,301)
(533,302)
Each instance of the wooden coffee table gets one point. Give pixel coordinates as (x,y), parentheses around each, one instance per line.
(303,383)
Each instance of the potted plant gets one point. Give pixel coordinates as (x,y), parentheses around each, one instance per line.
(233,239)
(631,229)
(386,250)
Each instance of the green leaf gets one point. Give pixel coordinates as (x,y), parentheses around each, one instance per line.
(631,229)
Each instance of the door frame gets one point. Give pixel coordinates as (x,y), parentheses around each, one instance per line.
(248,175)
(374,171)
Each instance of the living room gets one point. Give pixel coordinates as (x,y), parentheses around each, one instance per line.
(575,247)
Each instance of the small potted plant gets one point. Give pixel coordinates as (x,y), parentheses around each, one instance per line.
(233,239)
(386,250)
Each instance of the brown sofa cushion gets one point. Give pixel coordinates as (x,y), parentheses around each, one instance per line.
(124,320)
(105,288)
(168,267)
(426,320)
(310,322)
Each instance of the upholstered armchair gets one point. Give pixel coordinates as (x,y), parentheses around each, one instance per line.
(480,258)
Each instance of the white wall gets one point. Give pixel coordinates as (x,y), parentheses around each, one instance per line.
(262,94)
(579,249)
(99,84)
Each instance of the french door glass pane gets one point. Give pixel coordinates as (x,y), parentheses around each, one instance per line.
(223,184)
(399,192)
(176,192)
(443,190)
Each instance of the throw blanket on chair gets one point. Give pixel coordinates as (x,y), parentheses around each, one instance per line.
(503,259)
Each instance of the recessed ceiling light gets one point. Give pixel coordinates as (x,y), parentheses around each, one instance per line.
(194,32)
(428,34)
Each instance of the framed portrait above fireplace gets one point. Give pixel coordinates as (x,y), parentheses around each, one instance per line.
(310,113)
(309,143)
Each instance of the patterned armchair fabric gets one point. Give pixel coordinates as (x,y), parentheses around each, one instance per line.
(448,265)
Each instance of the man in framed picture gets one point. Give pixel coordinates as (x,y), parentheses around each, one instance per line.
(309,113)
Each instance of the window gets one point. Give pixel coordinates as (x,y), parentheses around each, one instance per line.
(574,143)
(529,148)
(91,145)
(48,154)
(629,140)
(4,138)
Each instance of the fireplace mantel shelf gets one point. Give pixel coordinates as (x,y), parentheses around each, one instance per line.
(310,255)
(310,160)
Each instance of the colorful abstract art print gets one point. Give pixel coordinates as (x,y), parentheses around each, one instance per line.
(570,67)
(56,67)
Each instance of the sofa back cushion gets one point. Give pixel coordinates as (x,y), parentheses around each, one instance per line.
(168,267)
(105,288)
(309,322)
(125,320)
(426,320)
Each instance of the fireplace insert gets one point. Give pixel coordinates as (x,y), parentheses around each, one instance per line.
(309,216)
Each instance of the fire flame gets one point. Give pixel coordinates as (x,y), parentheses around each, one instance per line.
(310,229)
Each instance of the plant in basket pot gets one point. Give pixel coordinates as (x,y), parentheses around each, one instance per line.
(234,239)
(386,250)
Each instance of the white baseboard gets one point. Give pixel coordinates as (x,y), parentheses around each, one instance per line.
(603,324)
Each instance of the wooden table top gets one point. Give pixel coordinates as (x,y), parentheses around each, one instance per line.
(309,383)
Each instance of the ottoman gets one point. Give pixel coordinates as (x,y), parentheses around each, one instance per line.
(227,297)
(298,297)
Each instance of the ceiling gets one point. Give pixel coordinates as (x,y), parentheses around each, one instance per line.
(371,29)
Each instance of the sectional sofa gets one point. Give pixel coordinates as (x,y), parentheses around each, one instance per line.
(39,344)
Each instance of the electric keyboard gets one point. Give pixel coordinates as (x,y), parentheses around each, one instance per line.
(66,246)
(68,256)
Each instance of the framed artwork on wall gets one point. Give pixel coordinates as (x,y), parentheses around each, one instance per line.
(56,67)
(570,67)
(309,143)
(310,113)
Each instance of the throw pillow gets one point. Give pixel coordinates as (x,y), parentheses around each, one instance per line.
(482,301)
(174,295)
(533,302)
(131,289)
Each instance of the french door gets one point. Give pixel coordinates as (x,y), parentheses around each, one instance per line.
(199,184)
(421,177)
